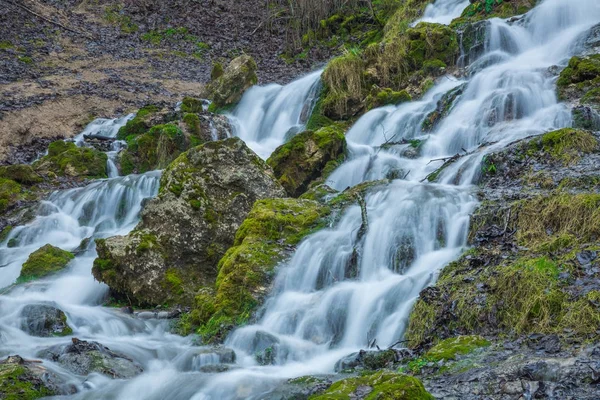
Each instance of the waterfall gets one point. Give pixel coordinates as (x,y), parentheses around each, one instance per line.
(340,290)
(106,128)
(267,116)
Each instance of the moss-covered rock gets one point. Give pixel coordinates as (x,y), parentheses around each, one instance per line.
(247,269)
(486,9)
(154,149)
(44,320)
(143,120)
(22,380)
(567,145)
(205,195)
(383,384)
(227,89)
(386,97)
(10,193)
(20,173)
(304,158)
(580,80)
(66,159)
(450,348)
(45,261)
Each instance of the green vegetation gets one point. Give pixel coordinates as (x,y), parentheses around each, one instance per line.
(446,350)
(192,122)
(20,173)
(486,9)
(10,193)
(5,44)
(523,293)
(44,261)
(154,149)
(66,159)
(114,14)
(581,80)
(386,386)
(405,55)
(138,124)
(191,105)
(566,145)
(306,157)
(247,268)
(18,383)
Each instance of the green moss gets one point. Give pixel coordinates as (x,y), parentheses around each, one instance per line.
(10,193)
(25,59)
(153,150)
(523,293)
(5,44)
(581,80)
(17,383)
(44,261)
(192,122)
(139,124)
(173,282)
(304,158)
(216,71)
(114,14)
(191,105)
(450,348)
(247,268)
(386,97)
(20,173)
(5,232)
(567,145)
(386,385)
(66,159)
(486,9)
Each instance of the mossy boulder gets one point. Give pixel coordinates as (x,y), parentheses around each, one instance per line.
(450,348)
(144,119)
(386,97)
(303,159)
(383,384)
(247,269)
(67,160)
(45,261)
(567,145)
(204,196)
(154,149)
(227,89)
(23,380)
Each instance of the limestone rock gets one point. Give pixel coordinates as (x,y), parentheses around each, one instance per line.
(205,195)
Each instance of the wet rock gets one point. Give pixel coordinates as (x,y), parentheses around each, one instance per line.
(44,320)
(44,261)
(26,379)
(228,88)
(82,358)
(369,360)
(99,143)
(586,257)
(68,160)
(472,41)
(204,197)
(305,157)
(443,107)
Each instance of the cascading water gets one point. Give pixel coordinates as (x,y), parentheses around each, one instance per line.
(268,116)
(106,128)
(344,287)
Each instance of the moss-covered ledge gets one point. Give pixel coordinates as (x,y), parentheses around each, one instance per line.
(306,157)
(246,271)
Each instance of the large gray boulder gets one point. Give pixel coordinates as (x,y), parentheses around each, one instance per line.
(205,195)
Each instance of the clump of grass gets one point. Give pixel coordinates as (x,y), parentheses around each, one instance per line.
(568,144)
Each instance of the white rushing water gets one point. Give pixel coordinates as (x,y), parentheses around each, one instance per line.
(340,290)
(268,116)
